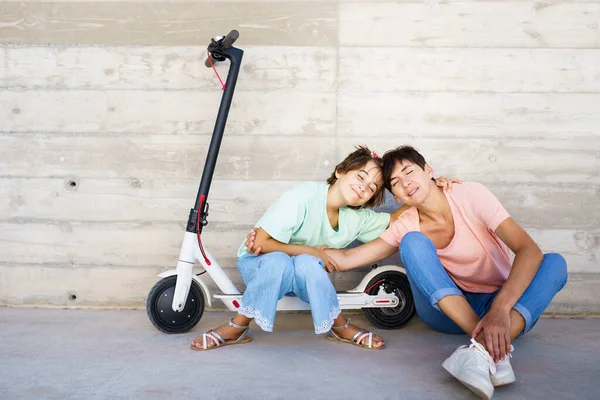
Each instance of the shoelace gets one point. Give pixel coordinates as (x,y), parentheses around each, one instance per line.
(483,352)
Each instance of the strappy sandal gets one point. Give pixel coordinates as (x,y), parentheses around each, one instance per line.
(362,338)
(212,340)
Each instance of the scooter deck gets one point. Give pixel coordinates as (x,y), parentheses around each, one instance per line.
(347,300)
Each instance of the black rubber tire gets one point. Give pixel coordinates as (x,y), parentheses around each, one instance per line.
(162,316)
(387,317)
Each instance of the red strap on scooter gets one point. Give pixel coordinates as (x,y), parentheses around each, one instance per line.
(373,285)
(206,260)
(214,69)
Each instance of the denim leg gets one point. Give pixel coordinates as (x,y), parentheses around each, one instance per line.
(312,285)
(429,281)
(481,302)
(430,315)
(268,278)
(550,278)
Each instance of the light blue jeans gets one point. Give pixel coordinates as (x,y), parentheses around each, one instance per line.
(271,276)
(430,283)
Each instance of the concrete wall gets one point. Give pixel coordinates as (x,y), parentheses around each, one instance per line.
(107,113)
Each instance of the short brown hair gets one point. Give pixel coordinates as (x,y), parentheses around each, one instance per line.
(397,155)
(355,161)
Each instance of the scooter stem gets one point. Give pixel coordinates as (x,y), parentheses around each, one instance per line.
(234,55)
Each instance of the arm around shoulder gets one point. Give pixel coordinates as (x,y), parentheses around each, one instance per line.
(394,216)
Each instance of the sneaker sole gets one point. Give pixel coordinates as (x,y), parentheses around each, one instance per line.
(482,393)
(503,380)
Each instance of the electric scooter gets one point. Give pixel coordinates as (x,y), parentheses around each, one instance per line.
(176,303)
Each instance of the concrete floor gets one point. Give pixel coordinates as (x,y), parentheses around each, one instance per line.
(100,354)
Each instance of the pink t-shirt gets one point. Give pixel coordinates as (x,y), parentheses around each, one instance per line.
(476,259)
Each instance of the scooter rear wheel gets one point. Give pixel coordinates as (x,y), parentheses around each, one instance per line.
(161,314)
(391,317)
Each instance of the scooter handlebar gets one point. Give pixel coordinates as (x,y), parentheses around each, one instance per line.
(226,43)
(230,39)
(208,63)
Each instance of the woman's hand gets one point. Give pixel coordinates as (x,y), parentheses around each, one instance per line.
(446,183)
(496,330)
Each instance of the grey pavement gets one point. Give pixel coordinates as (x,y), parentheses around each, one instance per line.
(118,354)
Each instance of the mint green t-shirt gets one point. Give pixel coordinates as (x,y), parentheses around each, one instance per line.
(299,216)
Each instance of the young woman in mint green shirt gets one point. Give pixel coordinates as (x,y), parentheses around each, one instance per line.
(289,236)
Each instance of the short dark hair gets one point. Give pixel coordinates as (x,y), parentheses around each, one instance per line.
(355,161)
(397,155)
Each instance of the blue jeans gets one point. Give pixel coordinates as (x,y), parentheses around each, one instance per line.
(430,283)
(271,276)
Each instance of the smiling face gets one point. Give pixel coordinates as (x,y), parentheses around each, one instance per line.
(362,180)
(359,186)
(411,184)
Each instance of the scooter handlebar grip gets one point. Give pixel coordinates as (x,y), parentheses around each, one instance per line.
(208,63)
(230,39)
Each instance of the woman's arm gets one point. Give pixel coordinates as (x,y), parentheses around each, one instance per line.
(267,244)
(528,258)
(362,255)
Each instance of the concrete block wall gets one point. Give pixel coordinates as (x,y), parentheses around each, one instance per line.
(107,112)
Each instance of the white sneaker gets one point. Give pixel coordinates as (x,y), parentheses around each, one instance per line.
(472,366)
(504,373)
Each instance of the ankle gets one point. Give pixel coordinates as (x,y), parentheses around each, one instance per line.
(241,320)
(339,321)
(481,340)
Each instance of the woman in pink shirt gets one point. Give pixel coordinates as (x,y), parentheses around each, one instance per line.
(455,247)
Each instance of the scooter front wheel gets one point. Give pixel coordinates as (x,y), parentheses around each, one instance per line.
(391,317)
(161,314)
